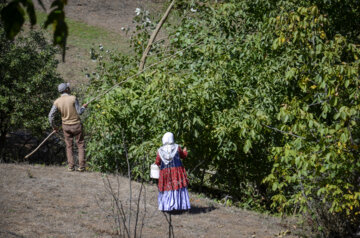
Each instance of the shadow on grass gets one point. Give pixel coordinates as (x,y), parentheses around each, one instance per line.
(194,210)
(198,210)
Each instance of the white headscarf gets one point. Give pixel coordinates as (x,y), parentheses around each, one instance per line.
(168,151)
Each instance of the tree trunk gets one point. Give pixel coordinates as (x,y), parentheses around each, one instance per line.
(153,36)
(202,179)
(2,145)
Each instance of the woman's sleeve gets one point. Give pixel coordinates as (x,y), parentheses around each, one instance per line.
(183,154)
(158,159)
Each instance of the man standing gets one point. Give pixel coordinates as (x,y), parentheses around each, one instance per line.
(70,110)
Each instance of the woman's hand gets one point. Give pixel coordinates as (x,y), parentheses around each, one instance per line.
(185,149)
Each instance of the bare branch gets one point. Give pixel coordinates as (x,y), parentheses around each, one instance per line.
(284,132)
(153,36)
(171,228)
(129,177)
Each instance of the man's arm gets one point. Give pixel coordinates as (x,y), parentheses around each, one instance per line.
(80,110)
(52,115)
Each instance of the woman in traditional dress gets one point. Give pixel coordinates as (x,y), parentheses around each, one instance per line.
(173,182)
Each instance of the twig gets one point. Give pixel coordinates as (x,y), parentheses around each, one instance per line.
(143,218)
(159,40)
(351,137)
(309,204)
(169,221)
(317,103)
(129,175)
(138,208)
(119,207)
(201,162)
(284,132)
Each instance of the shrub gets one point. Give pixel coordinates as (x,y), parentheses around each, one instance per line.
(265,94)
(28,84)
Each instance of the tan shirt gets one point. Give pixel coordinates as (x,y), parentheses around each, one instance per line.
(69,109)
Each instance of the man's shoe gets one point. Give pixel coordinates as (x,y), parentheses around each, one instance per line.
(71,169)
(81,170)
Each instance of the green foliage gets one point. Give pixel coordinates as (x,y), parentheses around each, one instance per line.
(57,18)
(266,94)
(28,76)
(13,17)
(319,171)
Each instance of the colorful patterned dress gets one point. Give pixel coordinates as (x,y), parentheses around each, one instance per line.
(173,182)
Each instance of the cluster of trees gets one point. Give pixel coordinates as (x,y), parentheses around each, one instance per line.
(266,95)
(28,85)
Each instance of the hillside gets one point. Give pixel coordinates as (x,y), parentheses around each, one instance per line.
(40,201)
(92,23)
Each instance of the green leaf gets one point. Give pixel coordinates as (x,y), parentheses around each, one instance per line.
(30,10)
(275,186)
(13,17)
(57,18)
(247,146)
(297,162)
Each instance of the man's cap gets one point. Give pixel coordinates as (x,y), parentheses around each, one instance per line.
(63,86)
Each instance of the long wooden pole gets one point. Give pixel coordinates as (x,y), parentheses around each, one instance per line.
(40,144)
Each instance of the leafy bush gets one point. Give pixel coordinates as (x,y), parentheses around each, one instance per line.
(28,84)
(265,96)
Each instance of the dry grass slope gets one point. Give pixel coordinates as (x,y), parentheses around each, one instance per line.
(39,201)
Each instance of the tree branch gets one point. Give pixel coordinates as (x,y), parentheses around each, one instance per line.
(153,36)
(284,132)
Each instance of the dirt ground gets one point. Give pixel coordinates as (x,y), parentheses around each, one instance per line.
(48,201)
(111,15)
(108,14)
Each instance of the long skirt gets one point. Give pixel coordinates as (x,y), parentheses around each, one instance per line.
(174,200)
